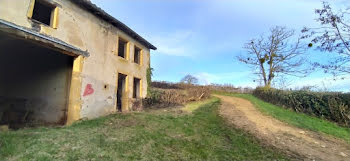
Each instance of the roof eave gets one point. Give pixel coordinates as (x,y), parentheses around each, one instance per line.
(25,33)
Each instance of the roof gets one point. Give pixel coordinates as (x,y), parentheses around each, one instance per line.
(89,6)
(19,31)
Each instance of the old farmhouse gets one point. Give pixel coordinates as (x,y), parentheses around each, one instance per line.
(65,60)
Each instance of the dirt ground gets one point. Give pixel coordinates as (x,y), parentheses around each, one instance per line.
(296,142)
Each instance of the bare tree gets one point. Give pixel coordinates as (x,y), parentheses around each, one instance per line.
(332,36)
(273,55)
(189,79)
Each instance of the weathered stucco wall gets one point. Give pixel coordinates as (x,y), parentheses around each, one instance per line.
(87,32)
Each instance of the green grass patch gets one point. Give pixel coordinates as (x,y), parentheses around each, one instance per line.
(203,135)
(190,107)
(300,120)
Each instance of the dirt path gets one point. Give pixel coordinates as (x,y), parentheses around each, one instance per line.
(296,142)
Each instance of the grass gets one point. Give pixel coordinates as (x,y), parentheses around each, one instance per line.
(202,135)
(190,107)
(300,120)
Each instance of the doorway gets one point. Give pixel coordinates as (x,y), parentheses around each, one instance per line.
(136,88)
(34,83)
(121,91)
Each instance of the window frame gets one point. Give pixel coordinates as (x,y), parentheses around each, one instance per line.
(53,16)
(126,48)
(139,54)
(137,94)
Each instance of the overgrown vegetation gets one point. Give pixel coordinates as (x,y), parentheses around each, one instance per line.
(164,94)
(149,74)
(300,120)
(230,88)
(157,135)
(326,105)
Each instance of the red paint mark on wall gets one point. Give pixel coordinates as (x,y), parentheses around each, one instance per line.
(88,90)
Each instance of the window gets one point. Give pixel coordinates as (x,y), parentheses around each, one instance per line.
(44,13)
(136,88)
(137,55)
(122,48)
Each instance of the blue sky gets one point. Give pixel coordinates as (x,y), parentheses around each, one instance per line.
(203,37)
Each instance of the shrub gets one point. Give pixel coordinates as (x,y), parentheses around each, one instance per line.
(165,85)
(165,94)
(197,93)
(230,88)
(149,74)
(328,105)
(153,97)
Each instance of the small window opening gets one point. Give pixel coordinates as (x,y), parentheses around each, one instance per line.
(136,92)
(122,48)
(137,55)
(43,12)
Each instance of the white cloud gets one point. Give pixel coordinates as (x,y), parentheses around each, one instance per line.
(324,83)
(242,79)
(245,79)
(176,43)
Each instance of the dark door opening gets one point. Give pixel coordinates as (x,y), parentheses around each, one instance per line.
(34,84)
(120,91)
(136,88)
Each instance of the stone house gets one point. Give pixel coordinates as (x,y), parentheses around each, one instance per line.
(65,60)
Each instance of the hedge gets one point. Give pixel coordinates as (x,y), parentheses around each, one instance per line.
(160,97)
(327,105)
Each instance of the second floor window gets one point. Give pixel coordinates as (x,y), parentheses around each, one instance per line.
(122,48)
(137,55)
(43,12)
